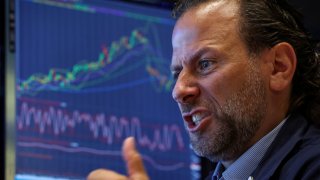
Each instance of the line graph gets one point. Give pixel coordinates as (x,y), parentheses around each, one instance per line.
(99,125)
(150,160)
(88,75)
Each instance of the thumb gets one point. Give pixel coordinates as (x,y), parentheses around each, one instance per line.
(133,160)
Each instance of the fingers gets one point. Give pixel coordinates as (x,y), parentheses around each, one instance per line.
(104,174)
(133,160)
(134,163)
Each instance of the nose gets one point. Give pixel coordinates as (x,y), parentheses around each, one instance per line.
(185,90)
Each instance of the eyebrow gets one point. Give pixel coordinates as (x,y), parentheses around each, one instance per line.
(193,56)
(200,52)
(175,68)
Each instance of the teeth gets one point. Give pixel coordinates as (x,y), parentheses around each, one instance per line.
(196,118)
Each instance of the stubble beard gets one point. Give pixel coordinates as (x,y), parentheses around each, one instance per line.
(236,122)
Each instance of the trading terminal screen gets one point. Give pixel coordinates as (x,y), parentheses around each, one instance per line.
(89,74)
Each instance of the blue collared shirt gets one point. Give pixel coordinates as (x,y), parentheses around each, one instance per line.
(248,161)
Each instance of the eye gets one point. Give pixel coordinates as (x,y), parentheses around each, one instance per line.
(205,65)
(175,74)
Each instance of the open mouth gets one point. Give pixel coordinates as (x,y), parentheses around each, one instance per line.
(195,120)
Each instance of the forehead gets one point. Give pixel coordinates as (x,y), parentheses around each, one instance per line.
(211,19)
(209,24)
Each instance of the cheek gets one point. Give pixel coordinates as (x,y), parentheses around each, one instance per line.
(222,86)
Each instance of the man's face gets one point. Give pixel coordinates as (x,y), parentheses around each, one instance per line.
(219,89)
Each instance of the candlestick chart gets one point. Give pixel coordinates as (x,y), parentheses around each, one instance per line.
(88,75)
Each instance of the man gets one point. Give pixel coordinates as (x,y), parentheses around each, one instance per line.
(247,84)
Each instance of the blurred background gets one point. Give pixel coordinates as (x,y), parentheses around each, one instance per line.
(81,76)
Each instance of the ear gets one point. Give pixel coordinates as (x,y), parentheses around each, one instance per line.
(284,66)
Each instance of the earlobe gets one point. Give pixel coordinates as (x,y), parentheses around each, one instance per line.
(284,66)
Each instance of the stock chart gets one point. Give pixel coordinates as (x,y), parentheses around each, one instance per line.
(88,75)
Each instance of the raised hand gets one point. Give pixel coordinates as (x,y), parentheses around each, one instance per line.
(135,167)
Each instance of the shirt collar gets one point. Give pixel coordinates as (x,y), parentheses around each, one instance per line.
(248,161)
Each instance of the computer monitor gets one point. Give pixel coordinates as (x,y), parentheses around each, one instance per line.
(86,74)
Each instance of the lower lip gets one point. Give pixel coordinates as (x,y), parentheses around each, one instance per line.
(203,124)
